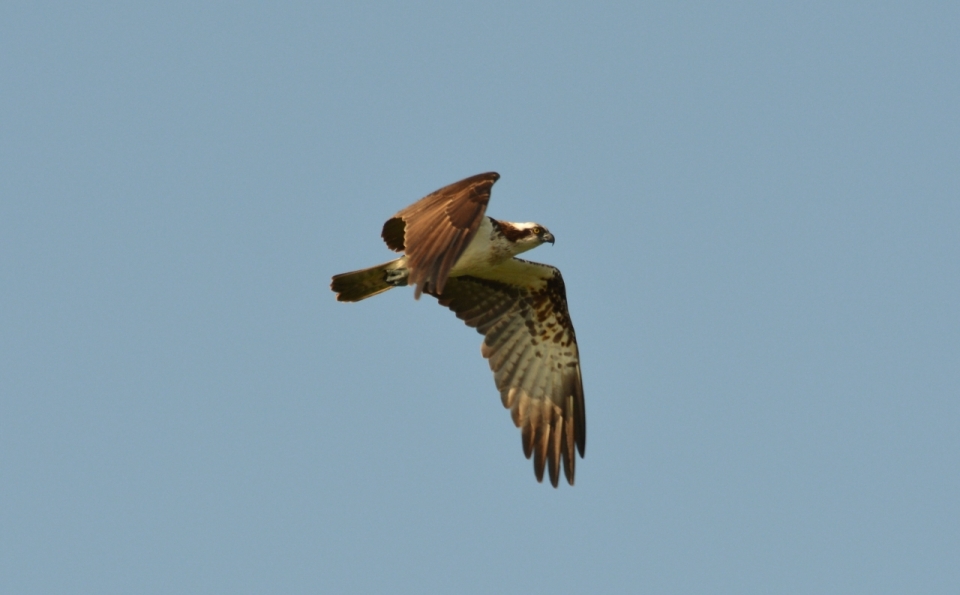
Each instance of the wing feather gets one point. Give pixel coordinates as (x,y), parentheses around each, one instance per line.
(434,231)
(498,352)
(521,309)
(543,439)
(532,375)
(554,453)
(515,368)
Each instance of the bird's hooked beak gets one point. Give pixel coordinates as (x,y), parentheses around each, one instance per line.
(548,237)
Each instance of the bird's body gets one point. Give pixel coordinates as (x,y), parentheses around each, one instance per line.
(467,260)
(489,248)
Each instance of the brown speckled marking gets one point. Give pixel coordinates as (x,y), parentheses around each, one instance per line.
(551,301)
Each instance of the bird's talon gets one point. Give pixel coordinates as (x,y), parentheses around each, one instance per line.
(396,277)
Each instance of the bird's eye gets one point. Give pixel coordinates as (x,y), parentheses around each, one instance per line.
(537,230)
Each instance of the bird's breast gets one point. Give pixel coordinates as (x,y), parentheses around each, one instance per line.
(487,249)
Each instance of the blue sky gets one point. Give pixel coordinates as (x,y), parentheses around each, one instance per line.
(757,212)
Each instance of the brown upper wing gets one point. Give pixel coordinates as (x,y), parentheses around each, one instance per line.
(435,230)
(532,349)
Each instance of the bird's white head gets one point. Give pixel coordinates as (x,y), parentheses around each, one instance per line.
(526,236)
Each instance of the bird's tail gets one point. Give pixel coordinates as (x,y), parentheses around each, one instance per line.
(359,285)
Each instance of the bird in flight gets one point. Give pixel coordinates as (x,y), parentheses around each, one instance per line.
(455,253)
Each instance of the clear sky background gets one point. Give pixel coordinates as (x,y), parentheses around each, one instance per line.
(757,212)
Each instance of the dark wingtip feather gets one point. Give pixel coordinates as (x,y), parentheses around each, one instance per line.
(553,450)
(393,233)
(526,437)
(541,446)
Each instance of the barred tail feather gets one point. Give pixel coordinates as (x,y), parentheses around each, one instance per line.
(359,285)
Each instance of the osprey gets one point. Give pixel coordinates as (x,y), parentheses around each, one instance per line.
(454,252)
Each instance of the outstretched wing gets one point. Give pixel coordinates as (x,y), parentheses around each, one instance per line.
(521,309)
(435,230)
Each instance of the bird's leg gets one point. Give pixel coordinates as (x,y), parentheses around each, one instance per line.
(396,277)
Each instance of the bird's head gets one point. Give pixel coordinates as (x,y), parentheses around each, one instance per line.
(530,235)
